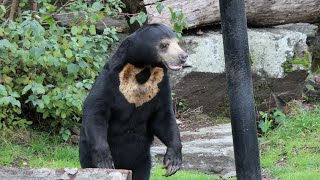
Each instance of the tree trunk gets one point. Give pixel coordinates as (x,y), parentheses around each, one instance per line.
(259,12)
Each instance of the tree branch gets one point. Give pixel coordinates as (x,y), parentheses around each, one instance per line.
(13,9)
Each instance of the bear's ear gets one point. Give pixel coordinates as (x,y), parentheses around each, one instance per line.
(143,76)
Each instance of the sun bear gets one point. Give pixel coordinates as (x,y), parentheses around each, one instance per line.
(130,103)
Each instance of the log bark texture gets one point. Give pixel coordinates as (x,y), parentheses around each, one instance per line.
(259,12)
(64,174)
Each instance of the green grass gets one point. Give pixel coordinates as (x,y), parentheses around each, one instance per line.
(293,150)
(157,174)
(38,149)
(290,152)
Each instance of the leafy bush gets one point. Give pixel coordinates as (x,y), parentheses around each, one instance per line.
(47,70)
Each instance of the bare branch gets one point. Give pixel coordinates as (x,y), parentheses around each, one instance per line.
(13,9)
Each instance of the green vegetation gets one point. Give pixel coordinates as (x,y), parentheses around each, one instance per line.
(292,151)
(47,69)
(303,61)
(24,148)
(157,173)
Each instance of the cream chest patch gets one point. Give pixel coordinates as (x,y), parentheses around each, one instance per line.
(134,92)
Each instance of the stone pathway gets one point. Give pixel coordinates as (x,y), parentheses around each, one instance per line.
(208,149)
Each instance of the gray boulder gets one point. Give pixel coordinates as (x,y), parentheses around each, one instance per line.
(207,149)
(280,64)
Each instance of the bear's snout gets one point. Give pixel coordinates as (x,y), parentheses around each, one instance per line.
(183,57)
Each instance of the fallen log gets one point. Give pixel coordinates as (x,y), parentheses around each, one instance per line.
(64,174)
(259,12)
(65,19)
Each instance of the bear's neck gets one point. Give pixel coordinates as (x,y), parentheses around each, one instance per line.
(140,85)
(144,75)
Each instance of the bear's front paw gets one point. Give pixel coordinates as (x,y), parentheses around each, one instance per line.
(105,163)
(172,161)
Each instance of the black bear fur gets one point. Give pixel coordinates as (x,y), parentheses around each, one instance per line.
(118,134)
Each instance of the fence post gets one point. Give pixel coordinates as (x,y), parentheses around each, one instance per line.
(240,89)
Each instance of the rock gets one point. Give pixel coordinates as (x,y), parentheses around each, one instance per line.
(313,40)
(308,29)
(64,174)
(207,149)
(280,64)
(315,50)
(269,49)
(230,175)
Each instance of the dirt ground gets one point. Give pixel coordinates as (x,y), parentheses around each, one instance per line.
(195,120)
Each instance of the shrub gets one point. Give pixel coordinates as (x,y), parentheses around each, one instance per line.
(47,70)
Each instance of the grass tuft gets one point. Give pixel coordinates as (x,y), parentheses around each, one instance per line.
(292,151)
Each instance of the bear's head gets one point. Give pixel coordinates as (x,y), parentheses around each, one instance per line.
(155,45)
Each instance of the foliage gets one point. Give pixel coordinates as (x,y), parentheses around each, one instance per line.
(268,121)
(292,150)
(157,174)
(24,148)
(33,149)
(303,62)
(179,103)
(312,86)
(47,69)
(177,19)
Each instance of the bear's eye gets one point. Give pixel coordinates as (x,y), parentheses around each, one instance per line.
(164,46)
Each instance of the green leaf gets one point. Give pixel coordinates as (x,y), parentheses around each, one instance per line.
(40,104)
(74,30)
(68,53)
(310,87)
(6,100)
(46,99)
(14,94)
(97,6)
(5,43)
(3,10)
(38,89)
(263,126)
(15,102)
(12,25)
(56,53)
(36,52)
(49,7)
(26,43)
(65,133)
(177,27)
(159,7)
(92,29)
(82,41)
(26,89)
(3,90)
(141,18)
(132,19)
(22,4)
(73,68)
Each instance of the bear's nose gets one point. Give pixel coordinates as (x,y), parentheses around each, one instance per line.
(183,57)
